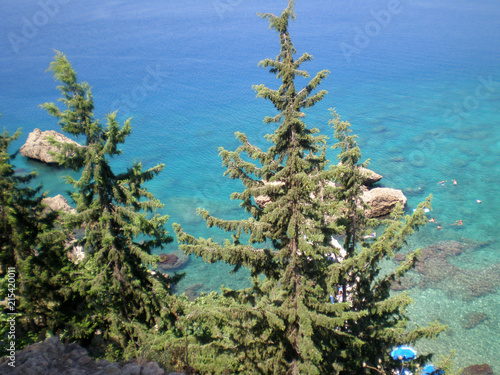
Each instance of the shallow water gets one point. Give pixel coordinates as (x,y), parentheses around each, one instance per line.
(423,95)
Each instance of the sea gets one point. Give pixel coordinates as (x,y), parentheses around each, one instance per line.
(419,80)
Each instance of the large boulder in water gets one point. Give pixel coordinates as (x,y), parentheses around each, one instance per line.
(52,357)
(172,261)
(38,147)
(369,177)
(382,201)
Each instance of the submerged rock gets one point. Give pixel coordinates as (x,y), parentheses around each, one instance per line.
(483,369)
(436,269)
(38,146)
(403,284)
(399,257)
(193,291)
(171,261)
(473,319)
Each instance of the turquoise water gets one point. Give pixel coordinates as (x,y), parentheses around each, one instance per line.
(422,92)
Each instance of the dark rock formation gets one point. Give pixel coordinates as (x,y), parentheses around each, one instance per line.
(370,177)
(473,319)
(51,357)
(58,203)
(171,261)
(404,284)
(38,146)
(483,369)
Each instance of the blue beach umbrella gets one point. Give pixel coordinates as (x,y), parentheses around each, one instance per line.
(403,353)
(431,370)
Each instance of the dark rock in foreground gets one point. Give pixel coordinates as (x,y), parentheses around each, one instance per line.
(471,320)
(483,369)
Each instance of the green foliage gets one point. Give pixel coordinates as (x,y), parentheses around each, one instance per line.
(285,323)
(120,295)
(34,246)
(78,118)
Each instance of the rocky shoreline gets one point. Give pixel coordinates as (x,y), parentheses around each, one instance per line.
(52,357)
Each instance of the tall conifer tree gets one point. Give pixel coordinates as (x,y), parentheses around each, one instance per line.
(278,315)
(380,320)
(286,323)
(122,296)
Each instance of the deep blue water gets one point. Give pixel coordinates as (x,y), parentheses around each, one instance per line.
(421,87)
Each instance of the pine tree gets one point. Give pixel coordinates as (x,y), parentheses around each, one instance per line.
(32,243)
(380,321)
(122,296)
(285,323)
(278,315)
